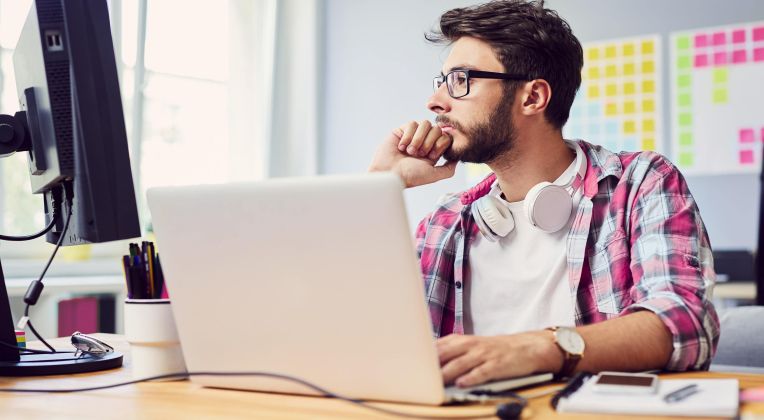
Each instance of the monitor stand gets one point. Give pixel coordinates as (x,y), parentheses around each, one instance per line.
(14,364)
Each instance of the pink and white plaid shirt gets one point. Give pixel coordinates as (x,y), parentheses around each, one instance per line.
(637,243)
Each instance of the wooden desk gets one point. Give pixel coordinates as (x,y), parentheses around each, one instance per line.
(183,400)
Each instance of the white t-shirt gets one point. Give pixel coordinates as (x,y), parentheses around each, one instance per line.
(520,283)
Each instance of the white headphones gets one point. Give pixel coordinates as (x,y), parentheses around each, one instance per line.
(548,206)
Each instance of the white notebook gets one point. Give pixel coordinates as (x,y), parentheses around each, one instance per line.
(717,398)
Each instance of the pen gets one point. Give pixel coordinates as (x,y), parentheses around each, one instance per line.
(681,393)
(128,275)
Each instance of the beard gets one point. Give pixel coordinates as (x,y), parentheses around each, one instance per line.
(488,140)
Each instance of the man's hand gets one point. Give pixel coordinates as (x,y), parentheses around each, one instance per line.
(470,360)
(412,151)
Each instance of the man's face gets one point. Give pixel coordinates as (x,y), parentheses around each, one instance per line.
(480,123)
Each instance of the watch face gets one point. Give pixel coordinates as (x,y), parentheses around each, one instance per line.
(570,340)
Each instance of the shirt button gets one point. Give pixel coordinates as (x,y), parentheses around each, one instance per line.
(458,285)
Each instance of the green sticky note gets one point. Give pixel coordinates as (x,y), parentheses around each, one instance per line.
(686,159)
(683,42)
(685,118)
(720,96)
(720,75)
(685,138)
(684,80)
(683,62)
(685,99)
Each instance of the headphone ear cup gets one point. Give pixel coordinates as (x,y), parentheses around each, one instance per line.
(493,218)
(548,206)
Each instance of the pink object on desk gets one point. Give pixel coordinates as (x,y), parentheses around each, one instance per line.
(752,395)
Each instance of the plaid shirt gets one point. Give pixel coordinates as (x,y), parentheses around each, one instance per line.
(637,242)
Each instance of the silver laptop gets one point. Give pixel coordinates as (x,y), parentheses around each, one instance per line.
(316,278)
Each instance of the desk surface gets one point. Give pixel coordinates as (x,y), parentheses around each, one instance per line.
(181,399)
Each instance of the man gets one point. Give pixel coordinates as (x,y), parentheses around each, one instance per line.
(621,282)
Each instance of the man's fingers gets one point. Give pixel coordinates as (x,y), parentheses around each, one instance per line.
(408,133)
(460,366)
(452,346)
(430,140)
(417,140)
(479,374)
(441,144)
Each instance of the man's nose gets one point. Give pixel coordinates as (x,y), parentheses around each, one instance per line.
(439,101)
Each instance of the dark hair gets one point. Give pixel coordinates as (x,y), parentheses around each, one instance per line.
(527,39)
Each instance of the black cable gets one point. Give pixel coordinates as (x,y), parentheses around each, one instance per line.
(322,391)
(32,351)
(36,334)
(53,221)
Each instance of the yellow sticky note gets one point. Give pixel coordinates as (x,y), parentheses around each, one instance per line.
(629,127)
(593,53)
(594,72)
(648,143)
(611,89)
(611,51)
(648,105)
(648,47)
(648,67)
(720,75)
(648,86)
(720,96)
(628,50)
(629,107)
(648,125)
(629,88)
(628,69)
(611,71)
(611,109)
(593,92)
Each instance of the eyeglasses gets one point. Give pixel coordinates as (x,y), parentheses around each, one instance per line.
(85,344)
(458,81)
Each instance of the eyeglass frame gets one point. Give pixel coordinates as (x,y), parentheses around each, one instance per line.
(476,74)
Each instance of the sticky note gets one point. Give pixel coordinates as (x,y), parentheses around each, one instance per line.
(593,92)
(684,99)
(758,54)
(629,127)
(611,89)
(683,62)
(648,105)
(628,49)
(685,118)
(720,58)
(611,71)
(686,159)
(738,36)
(720,96)
(746,135)
(611,109)
(628,69)
(648,47)
(594,72)
(758,33)
(701,40)
(593,53)
(739,57)
(719,39)
(648,125)
(648,86)
(685,138)
(683,42)
(701,60)
(684,80)
(629,88)
(648,143)
(611,51)
(746,157)
(629,107)
(720,75)
(648,67)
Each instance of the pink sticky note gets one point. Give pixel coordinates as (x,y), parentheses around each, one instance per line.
(738,56)
(746,135)
(720,58)
(719,38)
(746,156)
(738,36)
(758,54)
(701,60)
(758,33)
(701,40)
(753,394)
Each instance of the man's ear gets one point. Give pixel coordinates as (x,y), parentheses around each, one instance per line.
(536,96)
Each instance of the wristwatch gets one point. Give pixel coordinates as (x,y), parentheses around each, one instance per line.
(572,345)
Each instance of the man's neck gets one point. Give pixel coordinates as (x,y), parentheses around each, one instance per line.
(536,157)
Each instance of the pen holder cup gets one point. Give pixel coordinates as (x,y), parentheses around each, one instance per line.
(154,344)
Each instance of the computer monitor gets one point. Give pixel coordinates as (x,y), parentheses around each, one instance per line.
(72,125)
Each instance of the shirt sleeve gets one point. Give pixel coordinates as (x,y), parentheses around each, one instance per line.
(672,266)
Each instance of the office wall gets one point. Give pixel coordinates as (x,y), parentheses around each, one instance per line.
(378,70)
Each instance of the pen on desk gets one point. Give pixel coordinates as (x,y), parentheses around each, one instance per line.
(681,393)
